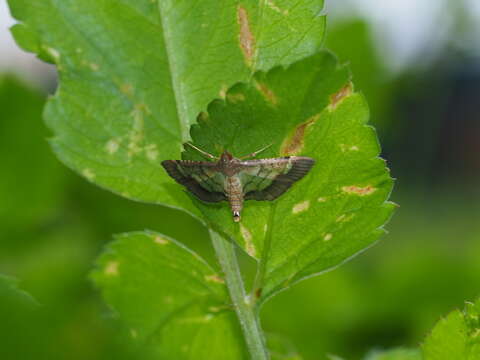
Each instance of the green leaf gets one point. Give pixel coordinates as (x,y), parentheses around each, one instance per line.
(170,298)
(16,307)
(12,295)
(339,208)
(32,179)
(455,337)
(135,73)
(395,354)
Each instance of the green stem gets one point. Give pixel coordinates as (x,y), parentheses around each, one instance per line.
(244,307)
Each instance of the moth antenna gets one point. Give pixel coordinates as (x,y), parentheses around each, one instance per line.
(255,153)
(210,156)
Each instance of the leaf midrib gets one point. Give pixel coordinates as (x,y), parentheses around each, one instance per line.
(180,103)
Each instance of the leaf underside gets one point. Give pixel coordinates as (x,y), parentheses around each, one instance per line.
(171,300)
(455,337)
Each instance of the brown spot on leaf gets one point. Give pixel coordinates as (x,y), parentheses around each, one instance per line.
(358,190)
(338,97)
(258,293)
(245,37)
(293,144)
(267,93)
(235,98)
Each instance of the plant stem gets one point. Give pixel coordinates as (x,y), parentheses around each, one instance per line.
(244,307)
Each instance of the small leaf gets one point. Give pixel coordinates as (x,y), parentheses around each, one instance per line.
(170,298)
(395,354)
(135,73)
(339,208)
(18,311)
(455,337)
(12,295)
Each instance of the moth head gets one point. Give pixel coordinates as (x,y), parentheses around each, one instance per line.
(226,157)
(236,216)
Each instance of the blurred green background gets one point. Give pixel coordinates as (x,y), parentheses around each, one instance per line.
(53,224)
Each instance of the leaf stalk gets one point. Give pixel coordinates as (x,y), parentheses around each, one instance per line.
(244,306)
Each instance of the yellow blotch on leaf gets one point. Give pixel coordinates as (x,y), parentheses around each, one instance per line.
(214,278)
(89,174)
(160,240)
(247,236)
(301,207)
(111,269)
(112,146)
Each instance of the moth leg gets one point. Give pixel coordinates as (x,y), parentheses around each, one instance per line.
(255,153)
(204,153)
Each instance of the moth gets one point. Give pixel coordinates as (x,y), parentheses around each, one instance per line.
(227,178)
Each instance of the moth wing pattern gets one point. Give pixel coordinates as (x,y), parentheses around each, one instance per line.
(199,177)
(267,179)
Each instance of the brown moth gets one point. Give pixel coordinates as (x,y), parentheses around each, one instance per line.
(232,179)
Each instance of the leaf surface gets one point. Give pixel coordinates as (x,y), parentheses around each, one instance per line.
(135,73)
(171,300)
(455,337)
(339,208)
(395,354)
(281,348)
